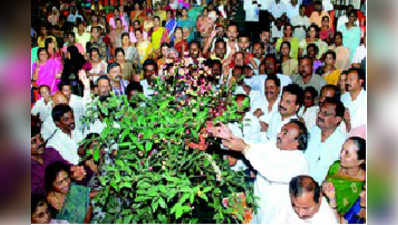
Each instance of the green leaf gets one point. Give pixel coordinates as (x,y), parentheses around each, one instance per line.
(191,197)
(162,203)
(148,146)
(124,144)
(142,184)
(141,198)
(181,210)
(96,154)
(155,204)
(206,189)
(178,212)
(204,197)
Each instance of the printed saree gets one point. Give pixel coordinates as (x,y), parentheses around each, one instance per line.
(347,189)
(76,204)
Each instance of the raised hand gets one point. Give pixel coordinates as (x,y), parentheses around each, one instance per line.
(83,78)
(329,191)
(235,143)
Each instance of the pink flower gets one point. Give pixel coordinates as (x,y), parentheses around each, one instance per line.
(142,163)
(187,131)
(150,168)
(201,104)
(140,135)
(156,92)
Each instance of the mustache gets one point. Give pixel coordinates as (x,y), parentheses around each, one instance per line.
(269,93)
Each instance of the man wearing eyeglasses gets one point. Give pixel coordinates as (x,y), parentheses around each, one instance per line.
(326,139)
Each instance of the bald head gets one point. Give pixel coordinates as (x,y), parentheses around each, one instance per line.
(305,196)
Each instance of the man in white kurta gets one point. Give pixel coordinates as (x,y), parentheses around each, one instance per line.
(265,104)
(276,164)
(355,100)
(66,138)
(43,106)
(325,140)
(290,103)
(308,206)
(75,102)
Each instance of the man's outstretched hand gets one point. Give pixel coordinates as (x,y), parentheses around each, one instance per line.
(220,131)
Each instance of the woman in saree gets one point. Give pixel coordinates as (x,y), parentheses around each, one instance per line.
(164,49)
(144,46)
(148,22)
(289,65)
(98,66)
(137,13)
(46,71)
(130,49)
(128,72)
(171,23)
(51,47)
(288,36)
(68,201)
(312,37)
(159,34)
(179,43)
(357,213)
(329,71)
(346,177)
(351,34)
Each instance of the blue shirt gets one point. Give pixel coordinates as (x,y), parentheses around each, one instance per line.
(321,155)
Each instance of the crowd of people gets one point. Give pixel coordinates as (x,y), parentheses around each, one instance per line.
(300,63)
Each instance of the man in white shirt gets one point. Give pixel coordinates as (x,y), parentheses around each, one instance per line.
(232,39)
(290,103)
(277,9)
(355,102)
(268,67)
(74,101)
(343,19)
(48,127)
(307,204)
(74,14)
(66,138)
(43,105)
(360,53)
(264,105)
(300,23)
(325,139)
(276,164)
(150,71)
(292,9)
